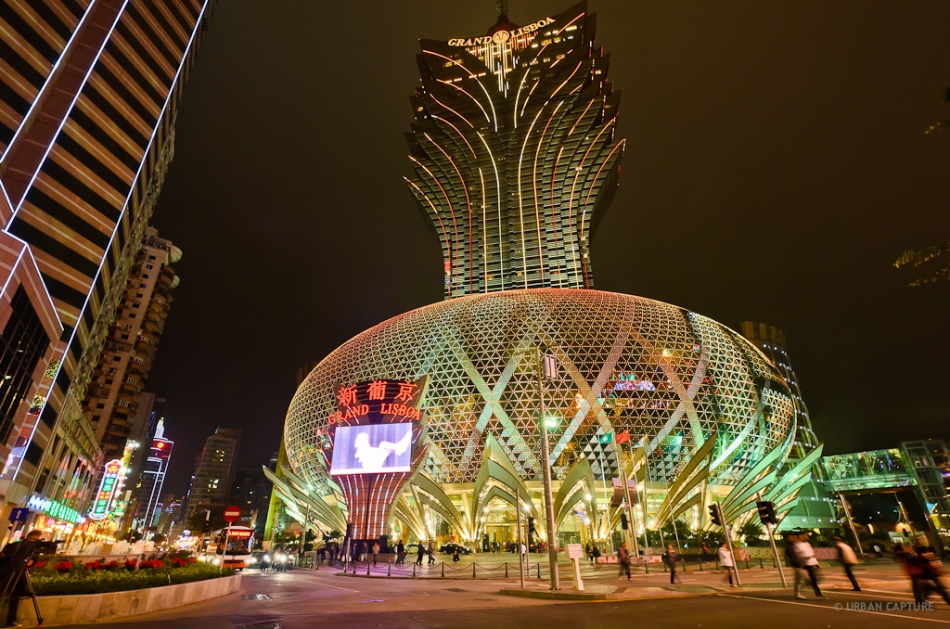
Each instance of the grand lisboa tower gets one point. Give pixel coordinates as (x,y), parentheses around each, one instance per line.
(514,160)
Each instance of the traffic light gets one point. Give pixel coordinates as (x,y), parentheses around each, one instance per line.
(766,512)
(623,521)
(714,514)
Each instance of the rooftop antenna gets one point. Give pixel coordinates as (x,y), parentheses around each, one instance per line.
(501,8)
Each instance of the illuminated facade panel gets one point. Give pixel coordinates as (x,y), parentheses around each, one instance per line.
(513,152)
(662,373)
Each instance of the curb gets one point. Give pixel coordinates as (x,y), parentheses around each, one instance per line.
(562,596)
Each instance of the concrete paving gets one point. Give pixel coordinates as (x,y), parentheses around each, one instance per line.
(299,599)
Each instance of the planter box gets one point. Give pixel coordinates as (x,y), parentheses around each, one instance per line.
(68,609)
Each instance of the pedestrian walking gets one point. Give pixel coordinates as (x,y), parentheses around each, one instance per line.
(400,553)
(590,553)
(430,550)
(422,552)
(375,551)
(623,558)
(848,560)
(671,559)
(806,563)
(455,555)
(931,571)
(726,561)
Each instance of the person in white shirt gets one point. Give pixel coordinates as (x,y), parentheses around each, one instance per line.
(848,559)
(726,561)
(805,561)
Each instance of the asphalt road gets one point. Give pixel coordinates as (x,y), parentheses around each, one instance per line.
(303,599)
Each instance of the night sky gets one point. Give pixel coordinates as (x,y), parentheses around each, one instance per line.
(776,164)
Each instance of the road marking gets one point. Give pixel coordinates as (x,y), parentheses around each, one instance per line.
(864,592)
(339,588)
(861,611)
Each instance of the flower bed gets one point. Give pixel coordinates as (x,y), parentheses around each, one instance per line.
(61,576)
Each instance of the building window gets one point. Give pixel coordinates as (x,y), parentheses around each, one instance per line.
(22,345)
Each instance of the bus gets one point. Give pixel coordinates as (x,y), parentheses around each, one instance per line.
(240,541)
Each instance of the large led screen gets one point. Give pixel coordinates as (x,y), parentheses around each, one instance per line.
(371,449)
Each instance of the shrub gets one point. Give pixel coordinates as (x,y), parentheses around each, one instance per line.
(65,578)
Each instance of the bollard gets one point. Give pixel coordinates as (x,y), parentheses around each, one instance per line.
(414,569)
(443,569)
(717,564)
(506,569)
(746,564)
(700,565)
(646,565)
(539,569)
(367,568)
(389,570)
(684,564)
(473,569)
(761,565)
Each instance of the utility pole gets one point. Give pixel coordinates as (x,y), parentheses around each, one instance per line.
(728,535)
(847,514)
(520,554)
(546,464)
(778,563)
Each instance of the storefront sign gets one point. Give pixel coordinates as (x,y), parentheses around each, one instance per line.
(107,487)
(54,509)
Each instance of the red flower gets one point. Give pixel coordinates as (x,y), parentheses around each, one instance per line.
(64,566)
(93,565)
(39,564)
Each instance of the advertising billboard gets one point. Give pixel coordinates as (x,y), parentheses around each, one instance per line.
(372,449)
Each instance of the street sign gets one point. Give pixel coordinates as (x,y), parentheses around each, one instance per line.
(19,515)
(575,551)
(550,367)
(232,513)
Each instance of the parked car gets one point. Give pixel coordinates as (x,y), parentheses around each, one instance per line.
(450,549)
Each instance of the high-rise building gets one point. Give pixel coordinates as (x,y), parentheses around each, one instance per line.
(251,492)
(514,152)
(514,161)
(121,375)
(149,493)
(816,507)
(215,470)
(87,113)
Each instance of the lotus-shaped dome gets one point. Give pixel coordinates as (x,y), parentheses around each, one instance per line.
(625,364)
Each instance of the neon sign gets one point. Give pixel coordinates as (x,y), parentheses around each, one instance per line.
(107,487)
(395,399)
(501,37)
(54,509)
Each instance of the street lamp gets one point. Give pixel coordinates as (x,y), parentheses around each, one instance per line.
(547,368)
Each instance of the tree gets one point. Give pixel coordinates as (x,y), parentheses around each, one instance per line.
(751,531)
(332,535)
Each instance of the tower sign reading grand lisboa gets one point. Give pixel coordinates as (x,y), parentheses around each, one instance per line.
(515,160)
